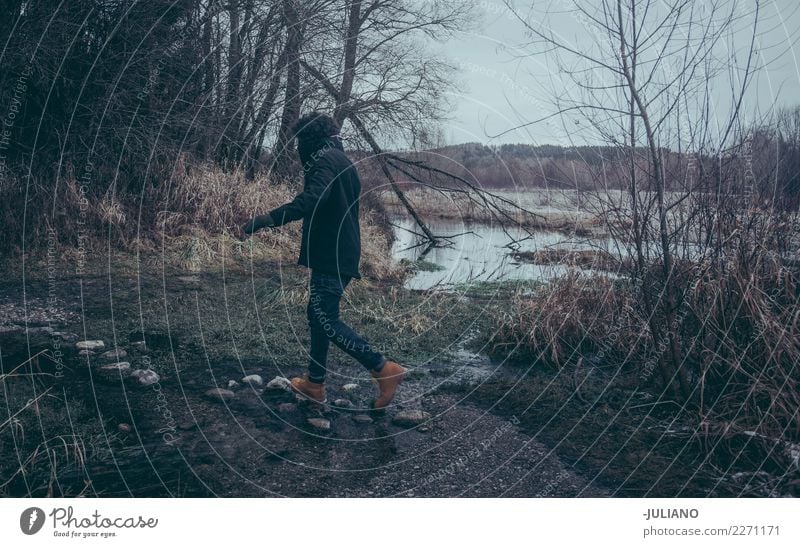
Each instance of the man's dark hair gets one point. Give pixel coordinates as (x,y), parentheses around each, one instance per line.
(315,127)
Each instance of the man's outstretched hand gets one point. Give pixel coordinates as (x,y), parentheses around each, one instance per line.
(253,225)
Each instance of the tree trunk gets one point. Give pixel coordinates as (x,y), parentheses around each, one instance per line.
(348,74)
(208,82)
(282,156)
(667,262)
(255,136)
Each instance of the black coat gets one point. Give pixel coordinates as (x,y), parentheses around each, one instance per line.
(328,206)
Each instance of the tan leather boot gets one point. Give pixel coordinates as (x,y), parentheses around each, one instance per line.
(309,389)
(390,376)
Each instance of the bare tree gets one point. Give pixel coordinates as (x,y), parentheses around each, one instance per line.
(640,77)
(292,97)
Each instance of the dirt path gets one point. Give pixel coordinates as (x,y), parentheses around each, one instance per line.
(260,444)
(172,439)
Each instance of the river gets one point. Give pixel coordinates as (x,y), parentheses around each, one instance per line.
(481,253)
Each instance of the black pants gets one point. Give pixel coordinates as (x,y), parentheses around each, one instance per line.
(323,320)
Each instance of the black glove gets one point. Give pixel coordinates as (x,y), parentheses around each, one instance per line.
(257,223)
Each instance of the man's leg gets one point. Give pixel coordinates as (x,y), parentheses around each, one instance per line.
(313,385)
(323,315)
(318,354)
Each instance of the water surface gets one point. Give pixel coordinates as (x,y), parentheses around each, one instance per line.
(481,253)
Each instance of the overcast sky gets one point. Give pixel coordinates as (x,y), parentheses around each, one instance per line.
(498,91)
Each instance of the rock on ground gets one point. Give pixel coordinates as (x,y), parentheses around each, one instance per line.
(321,424)
(219,394)
(145,377)
(411,418)
(123,368)
(90,344)
(279,383)
(253,380)
(114,354)
(349,388)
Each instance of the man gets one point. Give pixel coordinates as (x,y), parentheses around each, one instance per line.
(331,248)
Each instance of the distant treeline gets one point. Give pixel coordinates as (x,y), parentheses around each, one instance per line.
(770,161)
(517,166)
(521,165)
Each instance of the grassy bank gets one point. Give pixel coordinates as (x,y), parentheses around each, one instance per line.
(738,335)
(186,223)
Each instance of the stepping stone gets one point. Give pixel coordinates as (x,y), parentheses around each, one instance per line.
(308,401)
(362,419)
(145,377)
(279,383)
(114,354)
(67,336)
(90,344)
(349,388)
(115,370)
(253,380)
(411,418)
(320,423)
(219,394)
(233,384)
(85,352)
(342,403)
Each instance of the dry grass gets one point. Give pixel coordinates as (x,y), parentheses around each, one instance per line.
(187,222)
(35,459)
(746,346)
(572,316)
(738,333)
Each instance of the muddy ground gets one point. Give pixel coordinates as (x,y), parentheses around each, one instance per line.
(490,428)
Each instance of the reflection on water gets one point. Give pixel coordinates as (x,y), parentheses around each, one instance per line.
(482,254)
